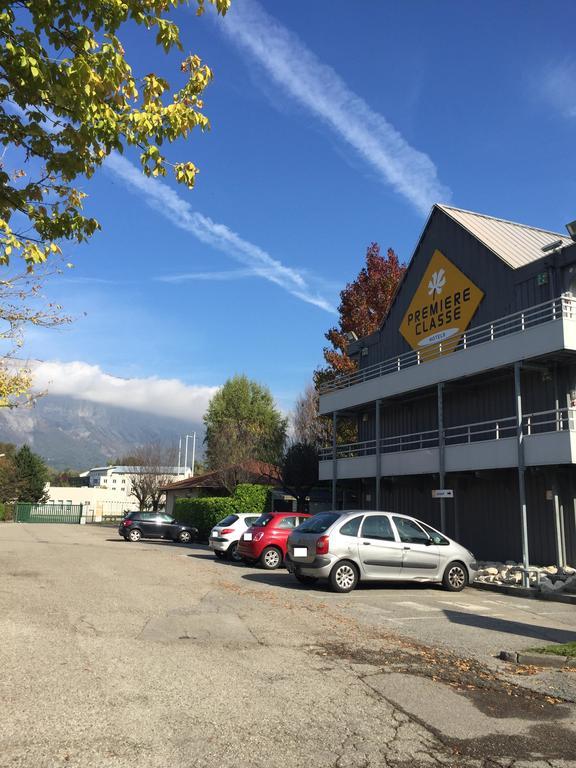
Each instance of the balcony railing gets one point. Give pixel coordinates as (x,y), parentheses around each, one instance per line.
(519,322)
(557,420)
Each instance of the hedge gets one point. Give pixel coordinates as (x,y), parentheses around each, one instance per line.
(206,511)
(2,511)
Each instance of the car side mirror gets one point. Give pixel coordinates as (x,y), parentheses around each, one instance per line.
(428,542)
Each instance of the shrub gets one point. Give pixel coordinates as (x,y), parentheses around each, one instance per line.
(6,511)
(251,499)
(206,511)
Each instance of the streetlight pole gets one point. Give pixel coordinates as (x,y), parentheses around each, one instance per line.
(193,436)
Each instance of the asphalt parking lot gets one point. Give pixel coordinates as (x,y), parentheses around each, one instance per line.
(153,654)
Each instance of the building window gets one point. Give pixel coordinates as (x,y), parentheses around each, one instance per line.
(113,481)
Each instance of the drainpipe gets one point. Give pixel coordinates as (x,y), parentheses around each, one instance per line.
(378,467)
(334,458)
(441,455)
(521,474)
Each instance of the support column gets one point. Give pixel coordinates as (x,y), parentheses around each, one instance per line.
(334,457)
(377,500)
(521,473)
(441,455)
(559,530)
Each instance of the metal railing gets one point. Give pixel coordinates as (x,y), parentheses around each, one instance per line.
(519,322)
(480,431)
(557,420)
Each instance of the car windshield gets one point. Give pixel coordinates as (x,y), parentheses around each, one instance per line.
(263,520)
(228,520)
(319,523)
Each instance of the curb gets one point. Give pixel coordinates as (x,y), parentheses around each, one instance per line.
(526,592)
(538,659)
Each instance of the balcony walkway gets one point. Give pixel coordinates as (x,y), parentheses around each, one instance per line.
(549,438)
(538,330)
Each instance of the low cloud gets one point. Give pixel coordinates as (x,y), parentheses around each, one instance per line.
(319,88)
(170,204)
(163,397)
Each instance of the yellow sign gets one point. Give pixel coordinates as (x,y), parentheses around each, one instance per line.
(441,308)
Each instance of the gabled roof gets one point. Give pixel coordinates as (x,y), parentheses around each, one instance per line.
(516,244)
(260,472)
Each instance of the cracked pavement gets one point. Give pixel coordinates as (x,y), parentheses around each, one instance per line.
(154,655)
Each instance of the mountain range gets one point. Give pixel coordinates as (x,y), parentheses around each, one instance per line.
(78,434)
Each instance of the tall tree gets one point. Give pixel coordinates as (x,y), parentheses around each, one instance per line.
(309,426)
(8,478)
(243,423)
(68,98)
(31,476)
(153,468)
(299,471)
(363,306)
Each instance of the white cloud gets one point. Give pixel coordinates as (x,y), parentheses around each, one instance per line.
(230,274)
(166,201)
(558,86)
(164,397)
(322,91)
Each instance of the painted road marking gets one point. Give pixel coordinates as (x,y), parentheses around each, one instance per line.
(417,606)
(466,606)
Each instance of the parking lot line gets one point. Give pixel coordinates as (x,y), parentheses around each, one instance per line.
(466,606)
(417,606)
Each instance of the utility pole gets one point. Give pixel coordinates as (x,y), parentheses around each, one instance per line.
(179,453)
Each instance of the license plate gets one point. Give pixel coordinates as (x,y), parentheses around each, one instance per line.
(247,537)
(300,551)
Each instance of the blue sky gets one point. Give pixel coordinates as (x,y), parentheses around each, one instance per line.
(334,124)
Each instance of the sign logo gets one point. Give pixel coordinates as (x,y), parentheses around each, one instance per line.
(441,309)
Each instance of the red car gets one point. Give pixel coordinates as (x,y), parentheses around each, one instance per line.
(266,540)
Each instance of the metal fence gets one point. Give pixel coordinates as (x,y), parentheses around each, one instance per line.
(48,513)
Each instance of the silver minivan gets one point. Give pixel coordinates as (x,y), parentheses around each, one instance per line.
(348,547)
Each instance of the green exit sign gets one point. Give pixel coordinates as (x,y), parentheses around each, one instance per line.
(542,278)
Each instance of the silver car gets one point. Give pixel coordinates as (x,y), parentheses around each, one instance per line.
(348,547)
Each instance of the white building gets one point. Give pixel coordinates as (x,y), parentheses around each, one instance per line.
(108,489)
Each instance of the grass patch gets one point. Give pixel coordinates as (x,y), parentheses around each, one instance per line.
(558,649)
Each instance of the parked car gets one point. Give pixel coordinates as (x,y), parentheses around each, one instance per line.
(266,541)
(225,535)
(348,547)
(155,525)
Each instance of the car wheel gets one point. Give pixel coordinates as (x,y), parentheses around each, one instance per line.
(271,558)
(455,577)
(184,537)
(232,553)
(344,576)
(135,534)
(219,555)
(308,580)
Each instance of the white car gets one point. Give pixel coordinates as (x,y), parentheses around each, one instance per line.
(224,537)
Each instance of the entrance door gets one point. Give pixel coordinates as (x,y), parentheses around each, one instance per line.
(379,551)
(421,556)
